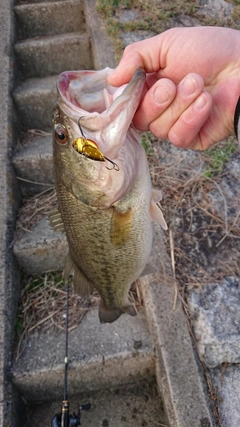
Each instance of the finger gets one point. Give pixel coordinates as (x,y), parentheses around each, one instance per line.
(187,91)
(154,103)
(142,54)
(185,132)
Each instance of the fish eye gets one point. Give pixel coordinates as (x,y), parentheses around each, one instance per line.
(61,135)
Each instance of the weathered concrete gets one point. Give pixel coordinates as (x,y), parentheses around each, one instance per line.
(215,316)
(40,19)
(102,47)
(34,100)
(100,357)
(9,284)
(178,372)
(125,407)
(226,379)
(129,37)
(33,163)
(41,250)
(71,49)
(213,8)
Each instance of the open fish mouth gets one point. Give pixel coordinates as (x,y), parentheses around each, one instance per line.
(101,113)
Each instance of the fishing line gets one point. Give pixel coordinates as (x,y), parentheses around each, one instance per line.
(64,419)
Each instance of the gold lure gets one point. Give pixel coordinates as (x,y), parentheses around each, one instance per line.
(89,148)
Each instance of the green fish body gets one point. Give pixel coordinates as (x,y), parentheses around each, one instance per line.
(103,185)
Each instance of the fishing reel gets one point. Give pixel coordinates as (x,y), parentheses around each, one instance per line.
(64,419)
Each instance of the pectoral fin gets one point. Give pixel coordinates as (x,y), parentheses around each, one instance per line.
(156,195)
(82,285)
(157,215)
(121,226)
(155,210)
(55,219)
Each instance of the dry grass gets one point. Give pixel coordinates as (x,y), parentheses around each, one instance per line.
(34,209)
(43,306)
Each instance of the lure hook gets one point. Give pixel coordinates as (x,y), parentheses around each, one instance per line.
(114,165)
(80,127)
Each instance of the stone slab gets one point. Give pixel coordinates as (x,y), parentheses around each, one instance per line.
(9,284)
(41,249)
(33,164)
(34,100)
(227,382)
(102,47)
(39,19)
(138,406)
(215,317)
(67,52)
(100,357)
(179,374)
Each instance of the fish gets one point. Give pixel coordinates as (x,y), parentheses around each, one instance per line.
(106,204)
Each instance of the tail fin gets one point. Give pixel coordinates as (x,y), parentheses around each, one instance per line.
(109,314)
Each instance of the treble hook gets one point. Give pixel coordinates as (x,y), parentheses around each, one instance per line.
(80,127)
(100,154)
(115,166)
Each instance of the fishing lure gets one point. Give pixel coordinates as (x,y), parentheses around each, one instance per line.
(89,148)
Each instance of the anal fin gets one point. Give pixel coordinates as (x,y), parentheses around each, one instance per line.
(55,219)
(81,284)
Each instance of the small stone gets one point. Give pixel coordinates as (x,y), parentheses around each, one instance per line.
(215,8)
(215,317)
(129,37)
(137,345)
(128,15)
(227,383)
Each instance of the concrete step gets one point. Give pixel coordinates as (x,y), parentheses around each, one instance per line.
(20,2)
(136,406)
(33,164)
(45,56)
(42,249)
(41,19)
(34,100)
(100,357)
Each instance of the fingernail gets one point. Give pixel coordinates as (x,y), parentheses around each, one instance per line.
(200,102)
(160,95)
(189,86)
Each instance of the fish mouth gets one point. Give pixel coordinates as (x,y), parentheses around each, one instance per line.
(104,112)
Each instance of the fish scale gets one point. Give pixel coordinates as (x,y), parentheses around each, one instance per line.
(106,201)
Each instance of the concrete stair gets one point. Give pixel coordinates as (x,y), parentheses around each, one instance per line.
(40,19)
(101,357)
(34,99)
(104,359)
(33,164)
(71,49)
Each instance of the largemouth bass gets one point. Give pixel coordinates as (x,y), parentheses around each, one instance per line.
(103,185)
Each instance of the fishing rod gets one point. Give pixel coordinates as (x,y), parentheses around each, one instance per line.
(65,419)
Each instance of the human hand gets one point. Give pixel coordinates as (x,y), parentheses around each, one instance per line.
(192,86)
